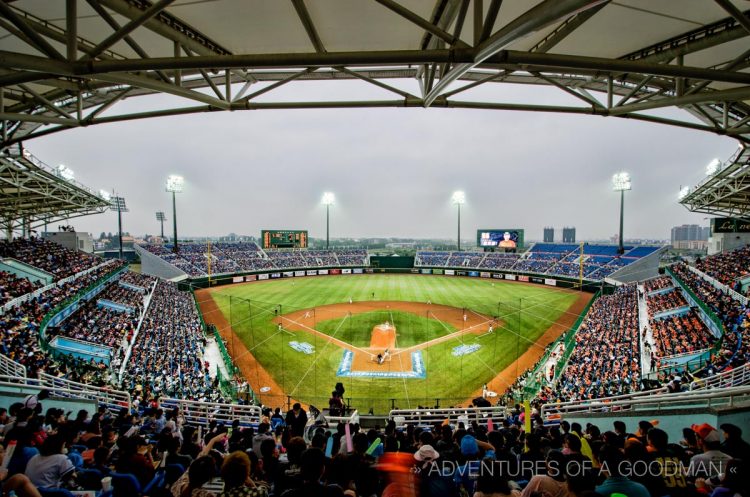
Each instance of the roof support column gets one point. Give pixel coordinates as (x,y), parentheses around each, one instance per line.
(71,26)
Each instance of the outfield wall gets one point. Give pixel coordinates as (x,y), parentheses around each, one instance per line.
(547,280)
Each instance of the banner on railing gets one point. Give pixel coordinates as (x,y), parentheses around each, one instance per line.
(275,276)
(358,270)
(550,282)
(263,276)
(312,272)
(237,279)
(346,271)
(511,277)
(522,277)
(450,272)
(251,277)
(322,271)
(299,274)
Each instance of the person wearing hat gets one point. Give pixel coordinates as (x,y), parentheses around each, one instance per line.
(712,461)
(733,443)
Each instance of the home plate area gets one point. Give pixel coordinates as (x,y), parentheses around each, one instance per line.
(382,359)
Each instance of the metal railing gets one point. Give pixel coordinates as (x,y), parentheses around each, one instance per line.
(718,285)
(736,377)
(62,388)
(202,413)
(428,417)
(679,400)
(9,367)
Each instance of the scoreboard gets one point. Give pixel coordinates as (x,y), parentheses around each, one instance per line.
(273,239)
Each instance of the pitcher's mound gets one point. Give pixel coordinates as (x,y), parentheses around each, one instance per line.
(383,337)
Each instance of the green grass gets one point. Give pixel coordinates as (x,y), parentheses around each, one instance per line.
(411,329)
(526,310)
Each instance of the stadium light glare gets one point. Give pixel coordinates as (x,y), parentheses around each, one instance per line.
(65,172)
(713,167)
(104,194)
(621,182)
(684,192)
(174,186)
(175,183)
(328,200)
(458,198)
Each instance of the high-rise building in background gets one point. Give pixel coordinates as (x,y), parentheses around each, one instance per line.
(690,236)
(569,235)
(549,235)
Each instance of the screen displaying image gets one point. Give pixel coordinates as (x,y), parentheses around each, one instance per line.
(499,238)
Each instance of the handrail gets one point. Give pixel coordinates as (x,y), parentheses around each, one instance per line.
(718,285)
(10,367)
(202,413)
(426,417)
(735,377)
(61,387)
(129,350)
(671,399)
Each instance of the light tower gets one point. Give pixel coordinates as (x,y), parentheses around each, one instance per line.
(328,200)
(620,183)
(174,185)
(458,199)
(161,218)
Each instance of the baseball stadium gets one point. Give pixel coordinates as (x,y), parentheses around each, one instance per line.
(285,363)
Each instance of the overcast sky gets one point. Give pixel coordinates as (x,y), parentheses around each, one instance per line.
(392,170)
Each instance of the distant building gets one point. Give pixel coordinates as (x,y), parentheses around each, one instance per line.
(690,236)
(549,235)
(73,240)
(569,235)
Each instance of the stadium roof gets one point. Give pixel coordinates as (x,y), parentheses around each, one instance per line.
(68,64)
(33,194)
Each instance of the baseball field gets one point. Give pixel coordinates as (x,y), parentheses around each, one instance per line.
(392,340)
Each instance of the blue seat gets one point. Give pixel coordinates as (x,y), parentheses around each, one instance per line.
(89,479)
(172,473)
(76,458)
(127,485)
(54,492)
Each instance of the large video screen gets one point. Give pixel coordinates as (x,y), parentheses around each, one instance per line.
(500,238)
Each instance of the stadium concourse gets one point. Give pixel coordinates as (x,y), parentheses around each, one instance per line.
(153,343)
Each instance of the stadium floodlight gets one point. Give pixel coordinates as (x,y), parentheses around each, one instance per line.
(117,203)
(713,167)
(328,200)
(458,199)
(684,192)
(621,183)
(174,185)
(161,218)
(65,172)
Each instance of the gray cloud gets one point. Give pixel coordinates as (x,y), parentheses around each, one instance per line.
(392,170)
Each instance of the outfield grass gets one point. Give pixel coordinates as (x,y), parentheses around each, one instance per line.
(526,310)
(411,329)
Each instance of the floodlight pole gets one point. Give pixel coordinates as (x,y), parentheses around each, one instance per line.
(621,248)
(459,226)
(174,221)
(119,223)
(328,206)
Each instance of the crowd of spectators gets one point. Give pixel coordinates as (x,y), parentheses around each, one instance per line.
(48,256)
(605,360)
(662,302)
(499,260)
(170,458)
(20,332)
(167,356)
(659,283)
(101,326)
(119,294)
(234,257)
(680,334)
(733,314)
(11,286)
(138,279)
(727,267)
